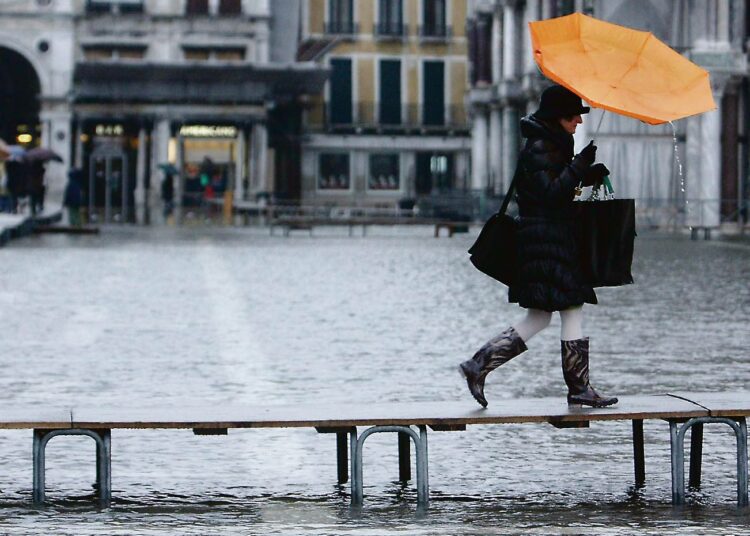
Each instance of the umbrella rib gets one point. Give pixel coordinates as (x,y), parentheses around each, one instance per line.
(638,55)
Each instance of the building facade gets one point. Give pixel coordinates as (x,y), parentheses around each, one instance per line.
(132,90)
(694,173)
(391,125)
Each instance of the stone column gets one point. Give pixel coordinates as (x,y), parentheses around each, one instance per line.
(703,179)
(479,150)
(497,46)
(140,177)
(240,158)
(260,145)
(56,135)
(179,184)
(160,135)
(510,52)
(78,145)
(496,150)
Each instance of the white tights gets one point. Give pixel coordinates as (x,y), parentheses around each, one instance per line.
(536,320)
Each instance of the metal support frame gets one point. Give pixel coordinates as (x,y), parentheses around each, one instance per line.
(420,446)
(103,441)
(639,458)
(404,458)
(677,443)
(342,458)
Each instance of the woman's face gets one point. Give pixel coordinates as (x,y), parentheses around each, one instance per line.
(569,124)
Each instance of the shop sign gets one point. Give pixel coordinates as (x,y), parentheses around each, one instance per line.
(208,131)
(109,130)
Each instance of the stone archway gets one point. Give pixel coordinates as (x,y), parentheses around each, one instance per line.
(20,90)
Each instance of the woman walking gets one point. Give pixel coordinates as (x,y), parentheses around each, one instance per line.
(549,273)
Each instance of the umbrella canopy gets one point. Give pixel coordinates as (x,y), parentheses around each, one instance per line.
(41,154)
(619,69)
(16,152)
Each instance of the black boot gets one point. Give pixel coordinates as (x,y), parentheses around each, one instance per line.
(496,352)
(575,365)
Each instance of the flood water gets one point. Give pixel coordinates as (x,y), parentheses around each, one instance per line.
(173,317)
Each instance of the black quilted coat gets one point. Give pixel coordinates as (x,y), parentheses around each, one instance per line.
(548,259)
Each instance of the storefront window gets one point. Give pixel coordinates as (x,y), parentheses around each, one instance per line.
(209,162)
(229,54)
(384,172)
(334,172)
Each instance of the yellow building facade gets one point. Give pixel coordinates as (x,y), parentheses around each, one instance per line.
(391,125)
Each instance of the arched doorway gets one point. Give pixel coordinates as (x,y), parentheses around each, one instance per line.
(19,99)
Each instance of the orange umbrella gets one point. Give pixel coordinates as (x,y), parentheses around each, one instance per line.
(626,71)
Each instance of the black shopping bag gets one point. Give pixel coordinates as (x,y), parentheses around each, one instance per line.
(494,251)
(605,237)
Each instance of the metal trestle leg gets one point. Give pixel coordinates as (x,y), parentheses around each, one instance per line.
(103,441)
(420,446)
(677,444)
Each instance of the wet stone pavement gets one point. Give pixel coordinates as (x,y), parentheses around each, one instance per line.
(175,316)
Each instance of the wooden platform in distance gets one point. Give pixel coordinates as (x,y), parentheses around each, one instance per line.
(438,415)
(66,229)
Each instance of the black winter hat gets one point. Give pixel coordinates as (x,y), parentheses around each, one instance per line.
(558,101)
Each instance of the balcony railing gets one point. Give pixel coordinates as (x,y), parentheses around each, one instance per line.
(436,31)
(393,30)
(114,6)
(371,116)
(342,27)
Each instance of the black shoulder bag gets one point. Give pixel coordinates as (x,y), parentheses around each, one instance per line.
(494,252)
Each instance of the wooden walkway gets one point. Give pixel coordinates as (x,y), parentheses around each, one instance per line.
(20,225)
(683,412)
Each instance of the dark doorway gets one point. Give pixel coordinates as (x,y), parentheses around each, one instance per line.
(109,191)
(433,94)
(341,92)
(19,98)
(434,173)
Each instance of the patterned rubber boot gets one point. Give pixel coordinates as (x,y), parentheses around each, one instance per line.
(496,352)
(575,365)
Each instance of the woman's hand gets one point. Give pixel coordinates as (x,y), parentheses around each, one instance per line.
(587,154)
(594,175)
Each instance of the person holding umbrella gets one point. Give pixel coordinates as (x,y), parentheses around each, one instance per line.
(550,276)
(36,159)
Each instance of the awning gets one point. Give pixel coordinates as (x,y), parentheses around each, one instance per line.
(152,83)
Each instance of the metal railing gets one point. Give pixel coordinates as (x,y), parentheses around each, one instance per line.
(341,27)
(390,29)
(437,31)
(118,7)
(371,115)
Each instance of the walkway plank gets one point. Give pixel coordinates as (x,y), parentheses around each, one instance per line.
(550,410)
(729,404)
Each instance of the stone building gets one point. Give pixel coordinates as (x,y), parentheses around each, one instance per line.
(122,88)
(696,175)
(391,123)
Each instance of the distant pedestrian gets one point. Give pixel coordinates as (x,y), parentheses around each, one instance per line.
(550,275)
(167,194)
(15,181)
(73,199)
(37,187)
